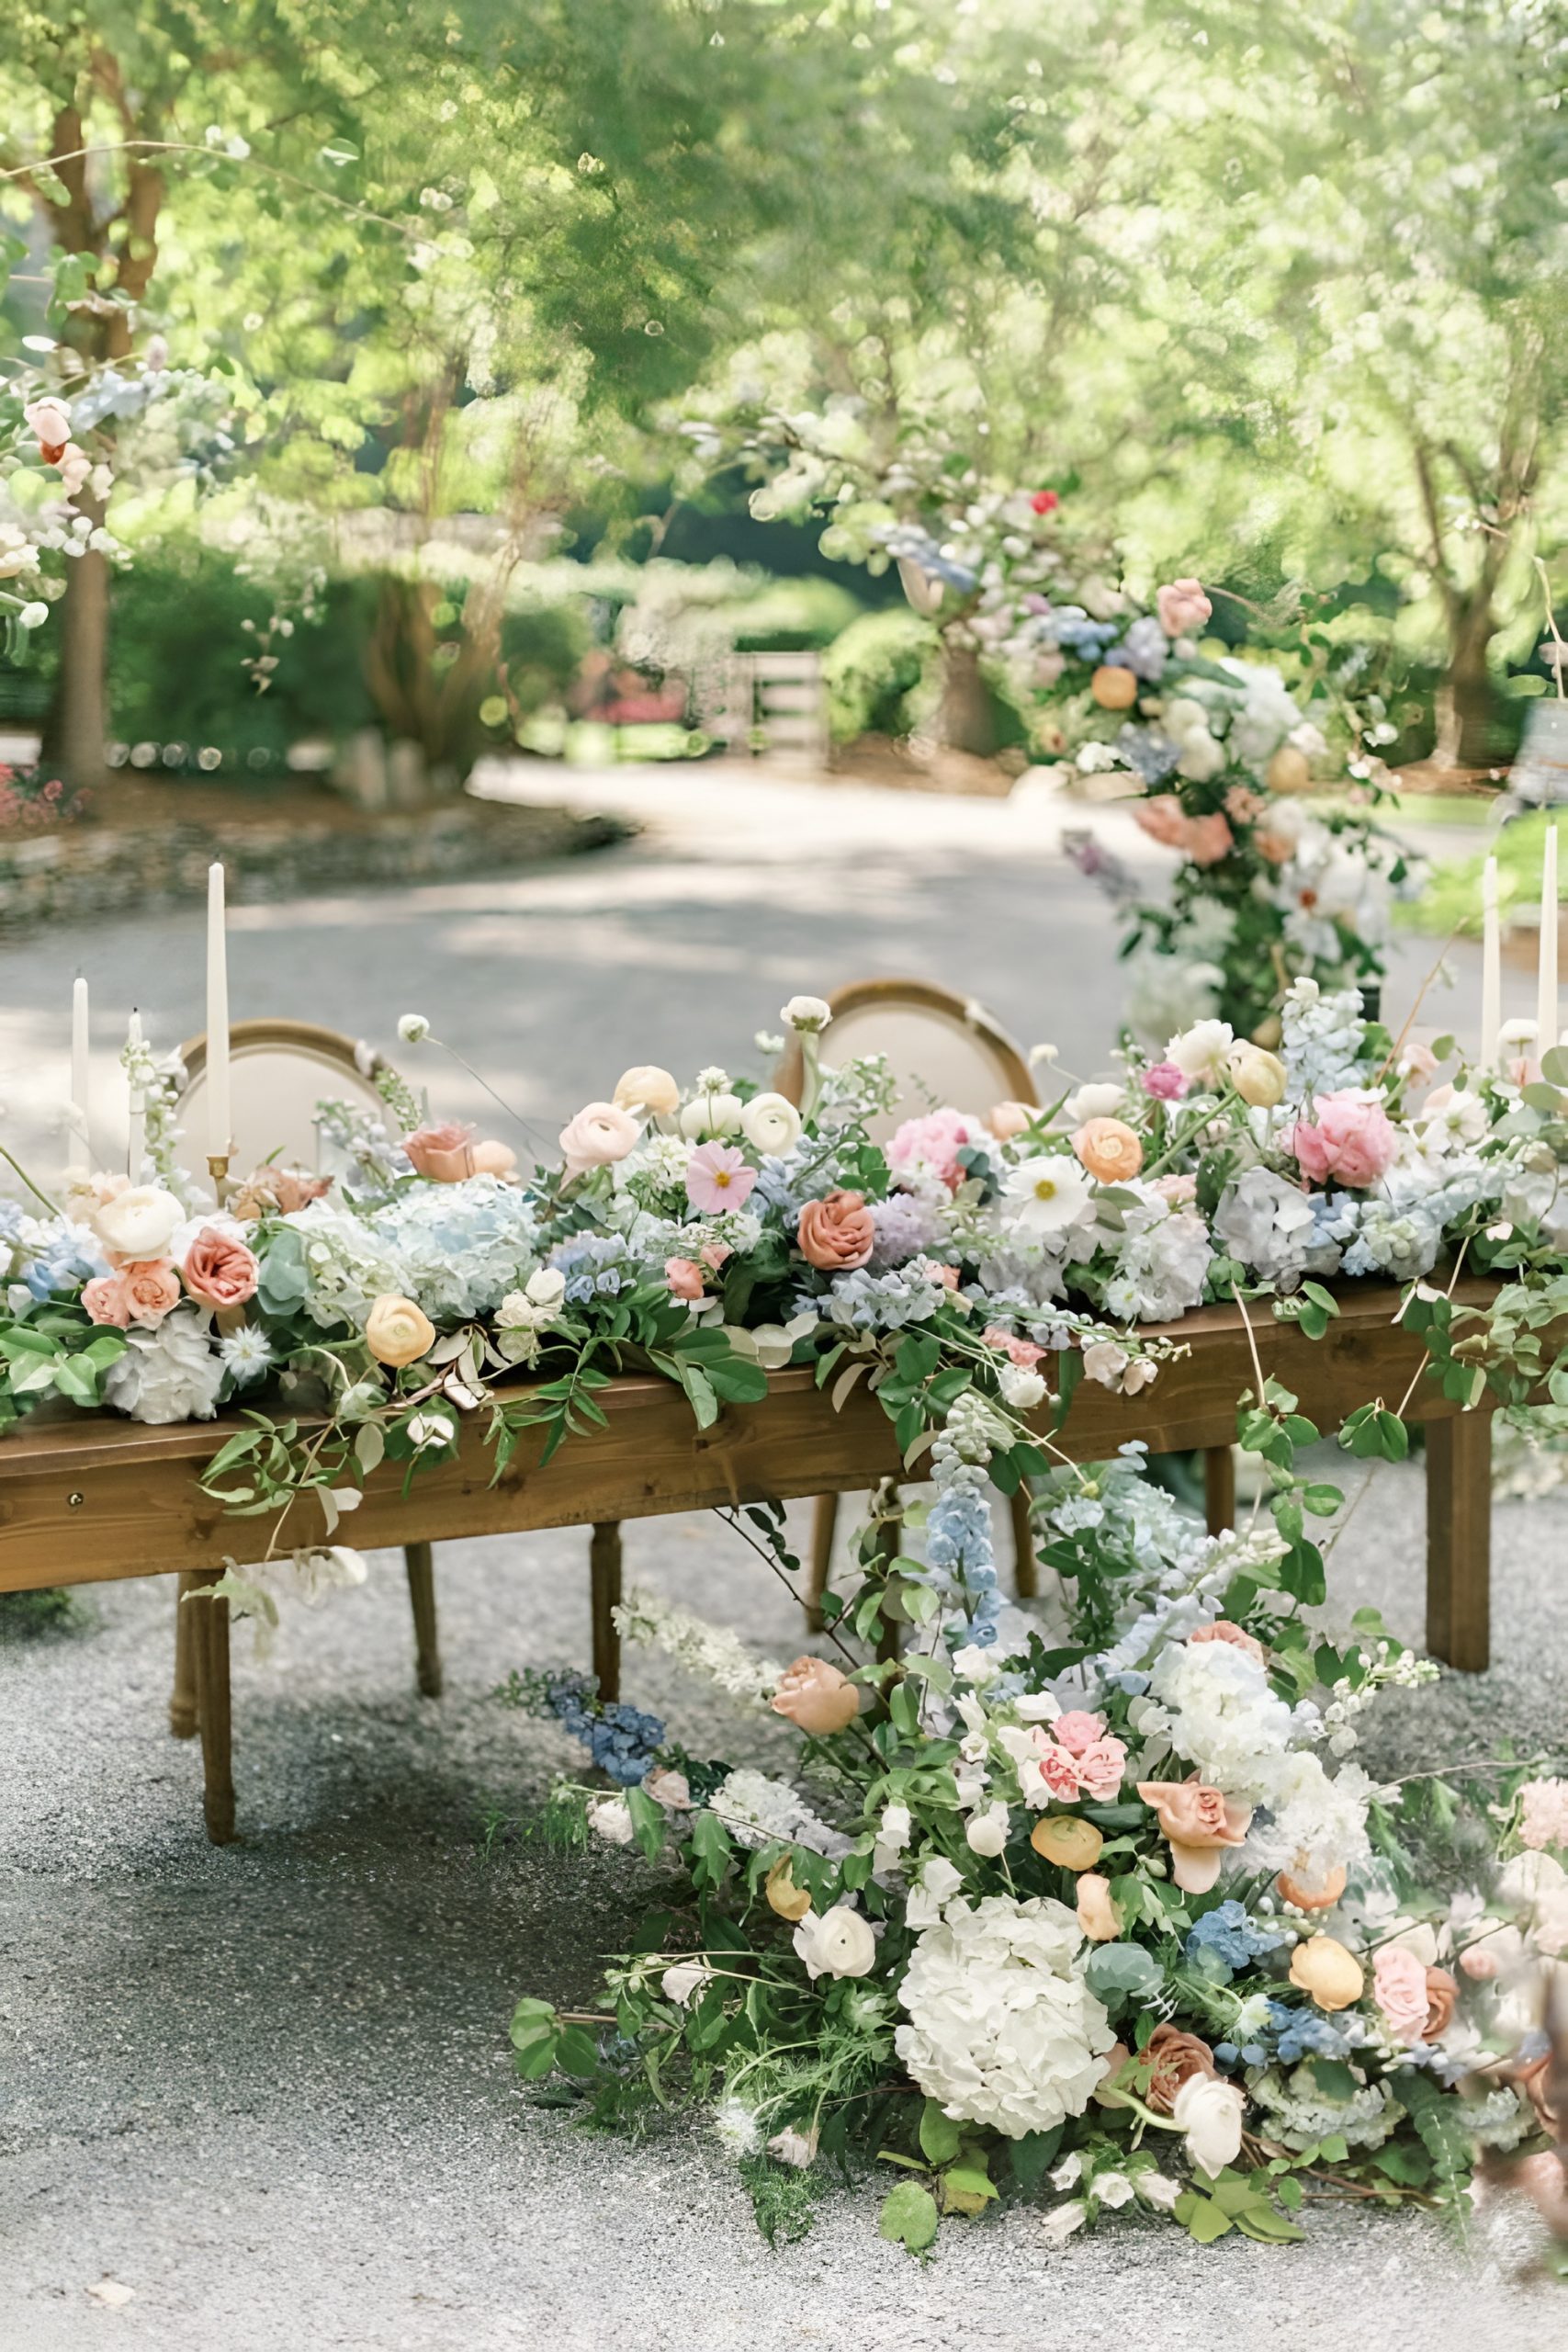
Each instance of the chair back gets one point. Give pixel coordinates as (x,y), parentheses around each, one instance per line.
(281,1070)
(942,1049)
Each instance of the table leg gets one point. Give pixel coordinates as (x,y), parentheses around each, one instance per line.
(420,1561)
(1219,1489)
(605,1579)
(1458,1540)
(182,1698)
(824,1527)
(210,1621)
(1025,1567)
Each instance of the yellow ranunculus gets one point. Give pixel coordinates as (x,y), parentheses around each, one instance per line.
(398,1331)
(1326,1973)
(1061,1838)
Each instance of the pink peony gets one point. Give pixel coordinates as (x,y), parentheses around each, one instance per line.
(220,1271)
(1543,1819)
(1350,1139)
(1058,1769)
(684,1277)
(1165,1083)
(931,1146)
(1182,608)
(1399,1982)
(717,1178)
(441,1154)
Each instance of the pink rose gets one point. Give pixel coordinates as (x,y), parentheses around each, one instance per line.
(684,1277)
(1350,1139)
(1165,1083)
(1163,818)
(717,1178)
(105,1301)
(1208,839)
(1059,1771)
(1182,608)
(220,1271)
(445,1154)
(1101,1767)
(929,1146)
(1200,1823)
(1077,1730)
(1180,1191)
(599,1135)
(149,1287)
(836,1233)
(1020,1352)
(1221,1630)
(1399,1982)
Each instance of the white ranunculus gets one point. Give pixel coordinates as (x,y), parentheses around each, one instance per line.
(710,1115)
(771,1123)
(610,1818)
(807,1014)
(138,1223)
(1022,1388)
(986,1834)
(683,1982)
(1047,1193)
(1208,2111)
(1098,1100)
(1200,1051)
(1003,2031)
(839,1942)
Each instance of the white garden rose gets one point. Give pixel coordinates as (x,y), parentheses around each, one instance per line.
(1208,2111)
(839,1942)
(1200,1051)
(771,1123)
(138,1223)
(1003,2030)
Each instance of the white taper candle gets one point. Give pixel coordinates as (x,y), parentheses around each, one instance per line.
(81,1103)
(136,1143)
(219,1109)
(1491,966)
(1546,1022)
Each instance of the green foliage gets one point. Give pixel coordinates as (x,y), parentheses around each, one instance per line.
(873,671)
(909,2216)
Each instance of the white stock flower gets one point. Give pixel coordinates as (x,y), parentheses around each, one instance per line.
(1046,1195)
(839,1942)
(771,1123)
(1209,2112)
(1003,2030)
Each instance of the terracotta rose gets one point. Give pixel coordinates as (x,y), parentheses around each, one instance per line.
(1442,1995)
(836,1233)
(220,1271)
(1173,2058)
(1200,1823)
(443,1154)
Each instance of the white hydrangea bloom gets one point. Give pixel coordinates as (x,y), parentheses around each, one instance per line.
(171,1373)
(1225,1718)
(1003,2028)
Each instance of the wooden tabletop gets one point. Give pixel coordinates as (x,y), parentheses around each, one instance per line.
(87,1497)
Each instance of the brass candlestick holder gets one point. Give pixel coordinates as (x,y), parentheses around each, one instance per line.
(218,1164)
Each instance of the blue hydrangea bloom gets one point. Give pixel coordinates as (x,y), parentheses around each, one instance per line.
(1305,2033)
(1225,1939)
(595,1266)
(620,1740)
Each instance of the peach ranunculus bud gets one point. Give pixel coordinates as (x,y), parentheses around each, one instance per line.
(816,1696)
(1173,2058)
(397,1332)
(1326,1973)
(1290,770)
(791,1902)
(1064,1839)
(1097,1912)
(1182,608)
(1308,1892)
(1234,1638)
(1109,1151)
(836,1233)
(443,1154)
(1200,1824)
(1008,1119)
(1258,1076)
(599,1134)
(492,1158)
(646,1087)
(220,1271)
(1113,688)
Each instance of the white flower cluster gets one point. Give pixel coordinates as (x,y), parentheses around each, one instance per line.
(758,1811)
(171,1373)
(1003,2031)
(713,1651)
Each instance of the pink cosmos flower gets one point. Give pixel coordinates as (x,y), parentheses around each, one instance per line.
(1165,1083)
(1352,1139)
(717,1178)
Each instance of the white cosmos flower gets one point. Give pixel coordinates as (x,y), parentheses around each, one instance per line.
(1047,1193)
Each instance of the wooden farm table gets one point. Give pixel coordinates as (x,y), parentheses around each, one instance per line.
(87,1499)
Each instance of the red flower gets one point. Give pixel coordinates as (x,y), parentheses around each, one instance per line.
(1045,501)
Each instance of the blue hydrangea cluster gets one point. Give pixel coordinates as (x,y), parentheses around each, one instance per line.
(53,1256)
(959,1550)
(862,1301)
(1225,1939)
(1143,651)
(1152,754)
(620,1740)
(462,1247)
(1305,2033)
(595,1265)
(1072,631)
(905,1225)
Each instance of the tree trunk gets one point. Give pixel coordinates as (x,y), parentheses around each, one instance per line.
(965,719)
(77,725)
(1467,701)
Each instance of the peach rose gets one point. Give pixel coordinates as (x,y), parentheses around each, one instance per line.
(1442,2000)
(1097,1912)
(599,1134)
(151,1286)
(684,1277)
(398,1332)
(816,1696)
(1221,1630)
(836,1233)
(1109,1150)
(105,1301)
(1200,1823)
(1399,1987)
(445,1154)
(275,1192)
(491,1159)
(1173,2058)
(220,1271)
(1008,1119)
(1182,608)
(1312,1893)
(1326,1973)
